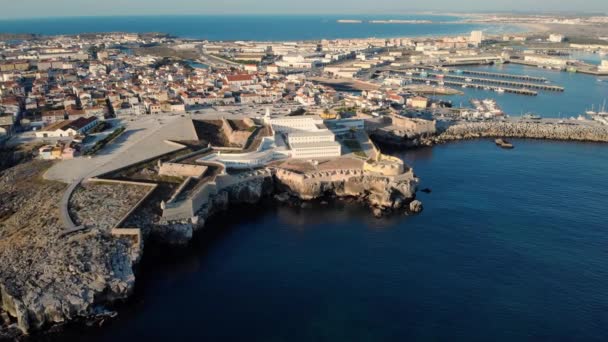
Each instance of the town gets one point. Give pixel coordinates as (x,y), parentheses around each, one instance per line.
(86,88)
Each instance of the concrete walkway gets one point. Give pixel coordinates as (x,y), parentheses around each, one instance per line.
(64,209)
(126,150)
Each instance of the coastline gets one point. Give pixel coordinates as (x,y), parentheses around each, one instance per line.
(378,193)
(477,130)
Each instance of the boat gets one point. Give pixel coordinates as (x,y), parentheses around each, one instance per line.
(531,116)
(503,143)
(468,80)
(500,90)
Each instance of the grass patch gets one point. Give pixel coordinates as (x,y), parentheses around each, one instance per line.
(100,127)
(103,142)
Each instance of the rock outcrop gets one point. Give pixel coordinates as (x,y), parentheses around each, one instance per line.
(381,193)
(46,277)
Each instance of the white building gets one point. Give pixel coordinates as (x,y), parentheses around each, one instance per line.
(556,38)
(476,37)
(307,136)
(546,60)
(67,128)
(604,66)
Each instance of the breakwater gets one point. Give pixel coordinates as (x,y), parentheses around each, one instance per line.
(529,130)
(550,130)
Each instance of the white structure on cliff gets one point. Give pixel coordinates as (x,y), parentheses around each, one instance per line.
(307,136)
(300,137)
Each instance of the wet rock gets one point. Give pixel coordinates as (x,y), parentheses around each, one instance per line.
(378,213)
(416,206)
(282,197)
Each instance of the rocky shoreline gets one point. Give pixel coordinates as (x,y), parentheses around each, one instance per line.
(494,129)
(48,279)
(382,194)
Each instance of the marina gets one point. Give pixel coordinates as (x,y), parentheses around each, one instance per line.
(499,75)
(524,85)
(583,90)
(518,91)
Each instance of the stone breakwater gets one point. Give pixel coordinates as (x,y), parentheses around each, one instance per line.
(575,131)
(382,193)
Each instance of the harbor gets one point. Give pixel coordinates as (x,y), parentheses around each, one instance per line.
(498,75)
(518,91)
(479,80)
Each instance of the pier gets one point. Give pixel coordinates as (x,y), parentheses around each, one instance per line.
(518,91)
(497,82)
(500,75)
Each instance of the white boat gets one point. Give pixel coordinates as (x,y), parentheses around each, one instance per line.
(500,90)
(468,80)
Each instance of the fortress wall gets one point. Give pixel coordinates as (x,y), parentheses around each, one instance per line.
(182,170)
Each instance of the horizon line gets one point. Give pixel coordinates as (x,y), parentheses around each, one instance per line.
(219,14)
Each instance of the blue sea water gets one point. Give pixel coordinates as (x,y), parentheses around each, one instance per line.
(511,246)
(250,27)
(581,92)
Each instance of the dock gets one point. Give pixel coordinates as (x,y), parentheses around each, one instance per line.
(518,91)
(527,85)
(500,75)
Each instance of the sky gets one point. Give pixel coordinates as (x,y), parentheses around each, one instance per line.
(13,9)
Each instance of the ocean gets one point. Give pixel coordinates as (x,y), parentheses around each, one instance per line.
(251,27)
(511,246)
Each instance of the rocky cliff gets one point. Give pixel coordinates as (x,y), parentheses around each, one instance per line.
(381,193)
(47,278)
(378,191)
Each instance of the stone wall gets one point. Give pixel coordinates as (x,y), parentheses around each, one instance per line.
(186,209)
(181,170)
(235,136)
(415,126)
(385,165)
